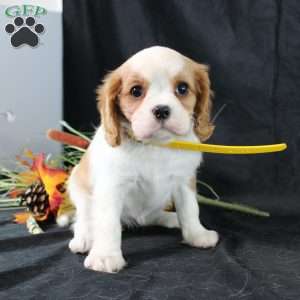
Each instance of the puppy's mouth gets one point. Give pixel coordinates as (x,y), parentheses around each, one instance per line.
(161,132)
(161,135)
(154,130)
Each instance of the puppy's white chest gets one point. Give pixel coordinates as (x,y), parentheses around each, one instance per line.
(146,195)
(153,180)
(144,176)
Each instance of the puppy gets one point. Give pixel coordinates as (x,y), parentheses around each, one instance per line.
(124,178)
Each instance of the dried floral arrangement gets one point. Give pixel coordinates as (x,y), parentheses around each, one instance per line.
(38,187)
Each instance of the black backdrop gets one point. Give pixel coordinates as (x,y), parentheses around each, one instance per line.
(252,48)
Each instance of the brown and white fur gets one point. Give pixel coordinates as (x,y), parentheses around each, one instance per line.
(125,180)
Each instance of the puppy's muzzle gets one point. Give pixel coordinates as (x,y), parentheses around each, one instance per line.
(161,112)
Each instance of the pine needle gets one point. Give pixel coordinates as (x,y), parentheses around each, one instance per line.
(232,206)
(76,132)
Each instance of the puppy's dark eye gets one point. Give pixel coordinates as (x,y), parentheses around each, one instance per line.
(182,88)
(136,91)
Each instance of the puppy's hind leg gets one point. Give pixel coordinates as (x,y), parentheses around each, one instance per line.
(162,218)
(82,240)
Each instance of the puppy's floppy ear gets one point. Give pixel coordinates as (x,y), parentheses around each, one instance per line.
(107,96)
(203,127)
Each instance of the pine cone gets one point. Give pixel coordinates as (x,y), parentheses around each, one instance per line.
(36,199)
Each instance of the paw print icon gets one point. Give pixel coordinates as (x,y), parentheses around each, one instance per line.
(24,32)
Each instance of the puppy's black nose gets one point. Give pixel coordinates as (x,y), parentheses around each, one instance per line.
(161,112)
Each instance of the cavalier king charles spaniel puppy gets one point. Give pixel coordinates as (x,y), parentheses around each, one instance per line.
(124,178)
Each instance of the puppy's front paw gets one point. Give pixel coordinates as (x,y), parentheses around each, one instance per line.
(80,245)
(109,263)
(203,239)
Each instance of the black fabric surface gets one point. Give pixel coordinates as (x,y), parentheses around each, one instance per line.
(255,259)
(252,48)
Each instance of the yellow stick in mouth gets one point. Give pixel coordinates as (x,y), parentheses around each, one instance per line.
(180,145)
(209,148)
